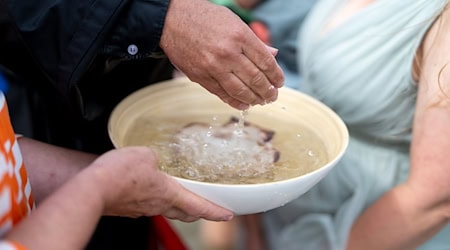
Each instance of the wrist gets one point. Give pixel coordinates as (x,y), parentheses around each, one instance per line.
(94,180)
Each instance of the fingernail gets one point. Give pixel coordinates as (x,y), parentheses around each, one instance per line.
(228,217)
(273,93)
(272,50)
(243,106)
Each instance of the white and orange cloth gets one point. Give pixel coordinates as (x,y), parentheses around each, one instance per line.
(16,200)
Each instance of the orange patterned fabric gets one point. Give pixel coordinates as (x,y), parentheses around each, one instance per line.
(9,245)
(16,200)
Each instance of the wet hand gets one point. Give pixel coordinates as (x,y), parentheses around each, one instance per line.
(213,47)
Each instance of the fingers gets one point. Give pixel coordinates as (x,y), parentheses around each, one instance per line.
(192,207)
(266,63)
(177,214)
(242,87)
(255,82)
(273,51)
(249,84)
(229,61)
(241,96)
(229,95)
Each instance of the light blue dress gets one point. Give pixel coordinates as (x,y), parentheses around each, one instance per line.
(362,70)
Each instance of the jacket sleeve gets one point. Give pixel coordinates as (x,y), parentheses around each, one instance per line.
(138,33)
(65,36)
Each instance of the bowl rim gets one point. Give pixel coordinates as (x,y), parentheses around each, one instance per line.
(342,128)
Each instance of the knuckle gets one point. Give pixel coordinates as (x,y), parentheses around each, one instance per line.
(234,103)
(238,34)
(219,92)
(267,63)
(207,62)
(239,92)
(225,97)
(224,49)
(257,79)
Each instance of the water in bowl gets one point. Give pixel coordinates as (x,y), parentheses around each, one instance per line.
(301,151)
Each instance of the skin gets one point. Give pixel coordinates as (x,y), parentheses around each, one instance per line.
(122,182)
(416,210)
(413,212)
(251,223)
(227,60)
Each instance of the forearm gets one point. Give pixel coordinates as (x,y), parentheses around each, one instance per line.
(49,167)
(410,214)
(398,220)
(66,220)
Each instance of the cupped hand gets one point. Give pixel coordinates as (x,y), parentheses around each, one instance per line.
(215,48)
(132,186)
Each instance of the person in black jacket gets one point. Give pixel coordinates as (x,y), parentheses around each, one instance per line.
(71,62)
(65,38)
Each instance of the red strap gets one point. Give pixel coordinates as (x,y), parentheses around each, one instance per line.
(166,235)
(261,31)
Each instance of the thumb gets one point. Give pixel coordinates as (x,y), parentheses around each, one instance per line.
(193,203)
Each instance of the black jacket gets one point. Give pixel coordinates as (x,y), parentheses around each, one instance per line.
(69,65)
(65,42)
(73,59)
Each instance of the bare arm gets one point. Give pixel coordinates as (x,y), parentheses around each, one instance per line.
(122,182)
(50,166)
(66,220)
(413,212)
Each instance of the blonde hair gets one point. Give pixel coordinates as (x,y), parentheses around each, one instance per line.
(421,53)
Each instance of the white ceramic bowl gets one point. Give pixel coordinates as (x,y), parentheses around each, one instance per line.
(187,98)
